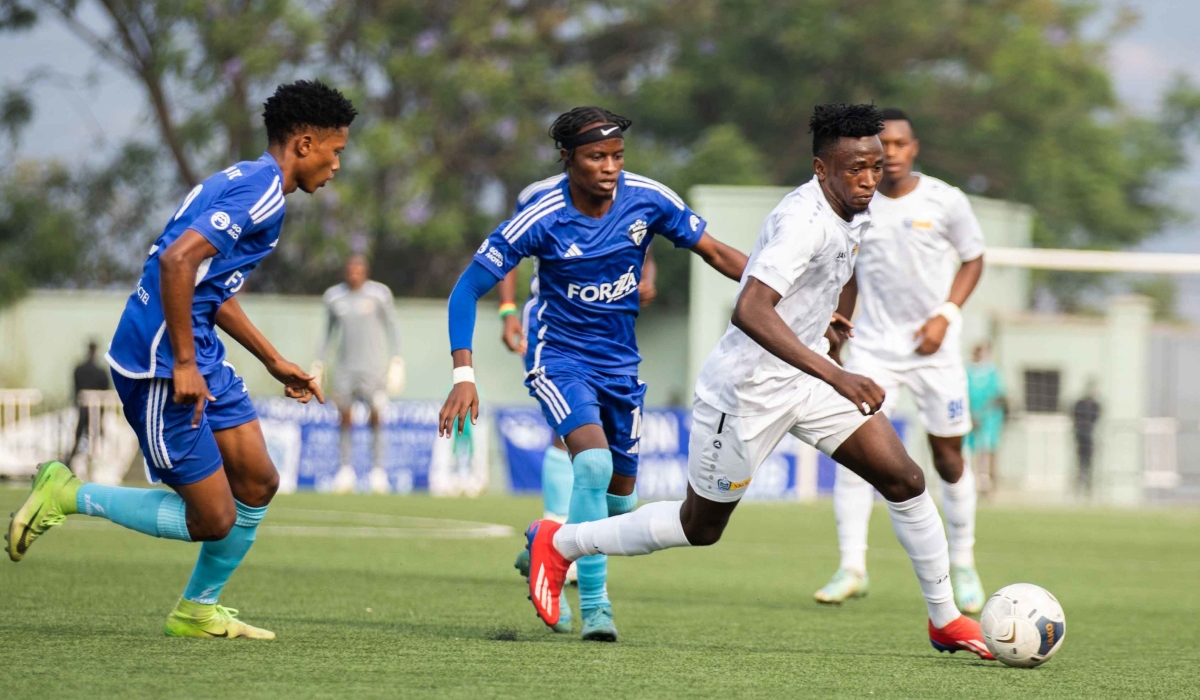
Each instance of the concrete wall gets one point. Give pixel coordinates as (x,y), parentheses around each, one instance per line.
(44,336)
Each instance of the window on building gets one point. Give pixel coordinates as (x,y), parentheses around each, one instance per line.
(1041,390)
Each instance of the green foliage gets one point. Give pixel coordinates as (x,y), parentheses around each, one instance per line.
(40,230)
(1012,99)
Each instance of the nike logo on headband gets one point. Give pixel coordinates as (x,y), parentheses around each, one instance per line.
(608,131)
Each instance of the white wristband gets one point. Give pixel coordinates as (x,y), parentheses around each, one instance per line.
(464,374)
(950,312)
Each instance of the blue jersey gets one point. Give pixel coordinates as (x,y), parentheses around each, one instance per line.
(589,269)
(240,212)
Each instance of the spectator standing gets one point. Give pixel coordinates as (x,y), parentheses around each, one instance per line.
(988,409)
(1084,415)
(88,376)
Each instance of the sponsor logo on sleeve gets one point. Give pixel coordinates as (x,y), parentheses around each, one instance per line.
(219,221)
(724,484)
(496,257)
(694,222)
(482,247)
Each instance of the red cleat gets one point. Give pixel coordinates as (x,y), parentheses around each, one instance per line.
(547,570)
(963,633)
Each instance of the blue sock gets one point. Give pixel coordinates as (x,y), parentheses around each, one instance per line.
(593,470)
(620,505)
(557,476)
(219,559)
(153,512)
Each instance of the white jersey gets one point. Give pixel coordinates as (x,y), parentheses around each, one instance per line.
(806,253)
(906,267)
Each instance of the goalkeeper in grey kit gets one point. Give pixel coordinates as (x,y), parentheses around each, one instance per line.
(361,312)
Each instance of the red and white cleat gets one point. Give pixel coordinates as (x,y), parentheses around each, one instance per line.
(963,633)
(547,570)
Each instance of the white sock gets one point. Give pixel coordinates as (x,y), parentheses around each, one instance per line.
(920,532)
(650,528)
(958,505)
(853,498)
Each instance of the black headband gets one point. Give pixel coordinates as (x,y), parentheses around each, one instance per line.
(603,132)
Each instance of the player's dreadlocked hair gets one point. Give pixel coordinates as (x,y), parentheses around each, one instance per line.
(305,103)
(570,123)
(832,122)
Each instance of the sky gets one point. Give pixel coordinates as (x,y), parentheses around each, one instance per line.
(87,105)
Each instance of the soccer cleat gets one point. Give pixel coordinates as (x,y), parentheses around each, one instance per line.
(968,591)
(345,481)
(598,624)
(43,509)
(844,585)
(547,570)
(522,567)
(378,480)
(963,633)
(190,619)
(563,626)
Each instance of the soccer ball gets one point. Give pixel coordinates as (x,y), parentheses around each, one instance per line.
(1023,625)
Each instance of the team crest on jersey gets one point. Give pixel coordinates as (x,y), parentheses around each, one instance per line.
(637,231)
(694,222)
(482,247)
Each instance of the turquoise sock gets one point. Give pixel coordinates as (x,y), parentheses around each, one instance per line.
(557,476)
(153,512)
(620,505)
(593,470)
(219,559)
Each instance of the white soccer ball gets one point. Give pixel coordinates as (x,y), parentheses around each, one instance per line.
(1023,625)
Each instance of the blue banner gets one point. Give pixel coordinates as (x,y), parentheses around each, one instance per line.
(304,442)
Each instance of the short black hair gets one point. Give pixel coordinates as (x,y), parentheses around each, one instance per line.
(834,121)
(570,123)
(305,103)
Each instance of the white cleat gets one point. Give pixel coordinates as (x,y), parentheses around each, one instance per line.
(346,480)
(378,480)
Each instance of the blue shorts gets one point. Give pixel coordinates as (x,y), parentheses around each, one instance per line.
(572,396)
(175,453)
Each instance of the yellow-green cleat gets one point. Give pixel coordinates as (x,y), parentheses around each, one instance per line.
(211,621)
(50,501)
(844,585)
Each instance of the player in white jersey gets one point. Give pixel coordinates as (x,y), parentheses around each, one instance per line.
(769,376)
(908,334)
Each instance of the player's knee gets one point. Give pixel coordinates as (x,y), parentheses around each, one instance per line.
(903,484)
(593,469)
(213,525)
(703,534)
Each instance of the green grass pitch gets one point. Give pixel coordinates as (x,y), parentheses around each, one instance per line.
(374,600)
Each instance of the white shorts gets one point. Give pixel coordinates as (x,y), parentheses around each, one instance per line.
(725,451)
(940,392)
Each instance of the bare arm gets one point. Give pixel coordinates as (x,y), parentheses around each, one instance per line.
(756,316)
(648,287)
(178,265)
(510,321)
(727,260)
(232,319)
(840,327)
(934,331)
(965,281)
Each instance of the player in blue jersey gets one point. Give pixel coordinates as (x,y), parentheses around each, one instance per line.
(195,423)
(589,232)
(519,333)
